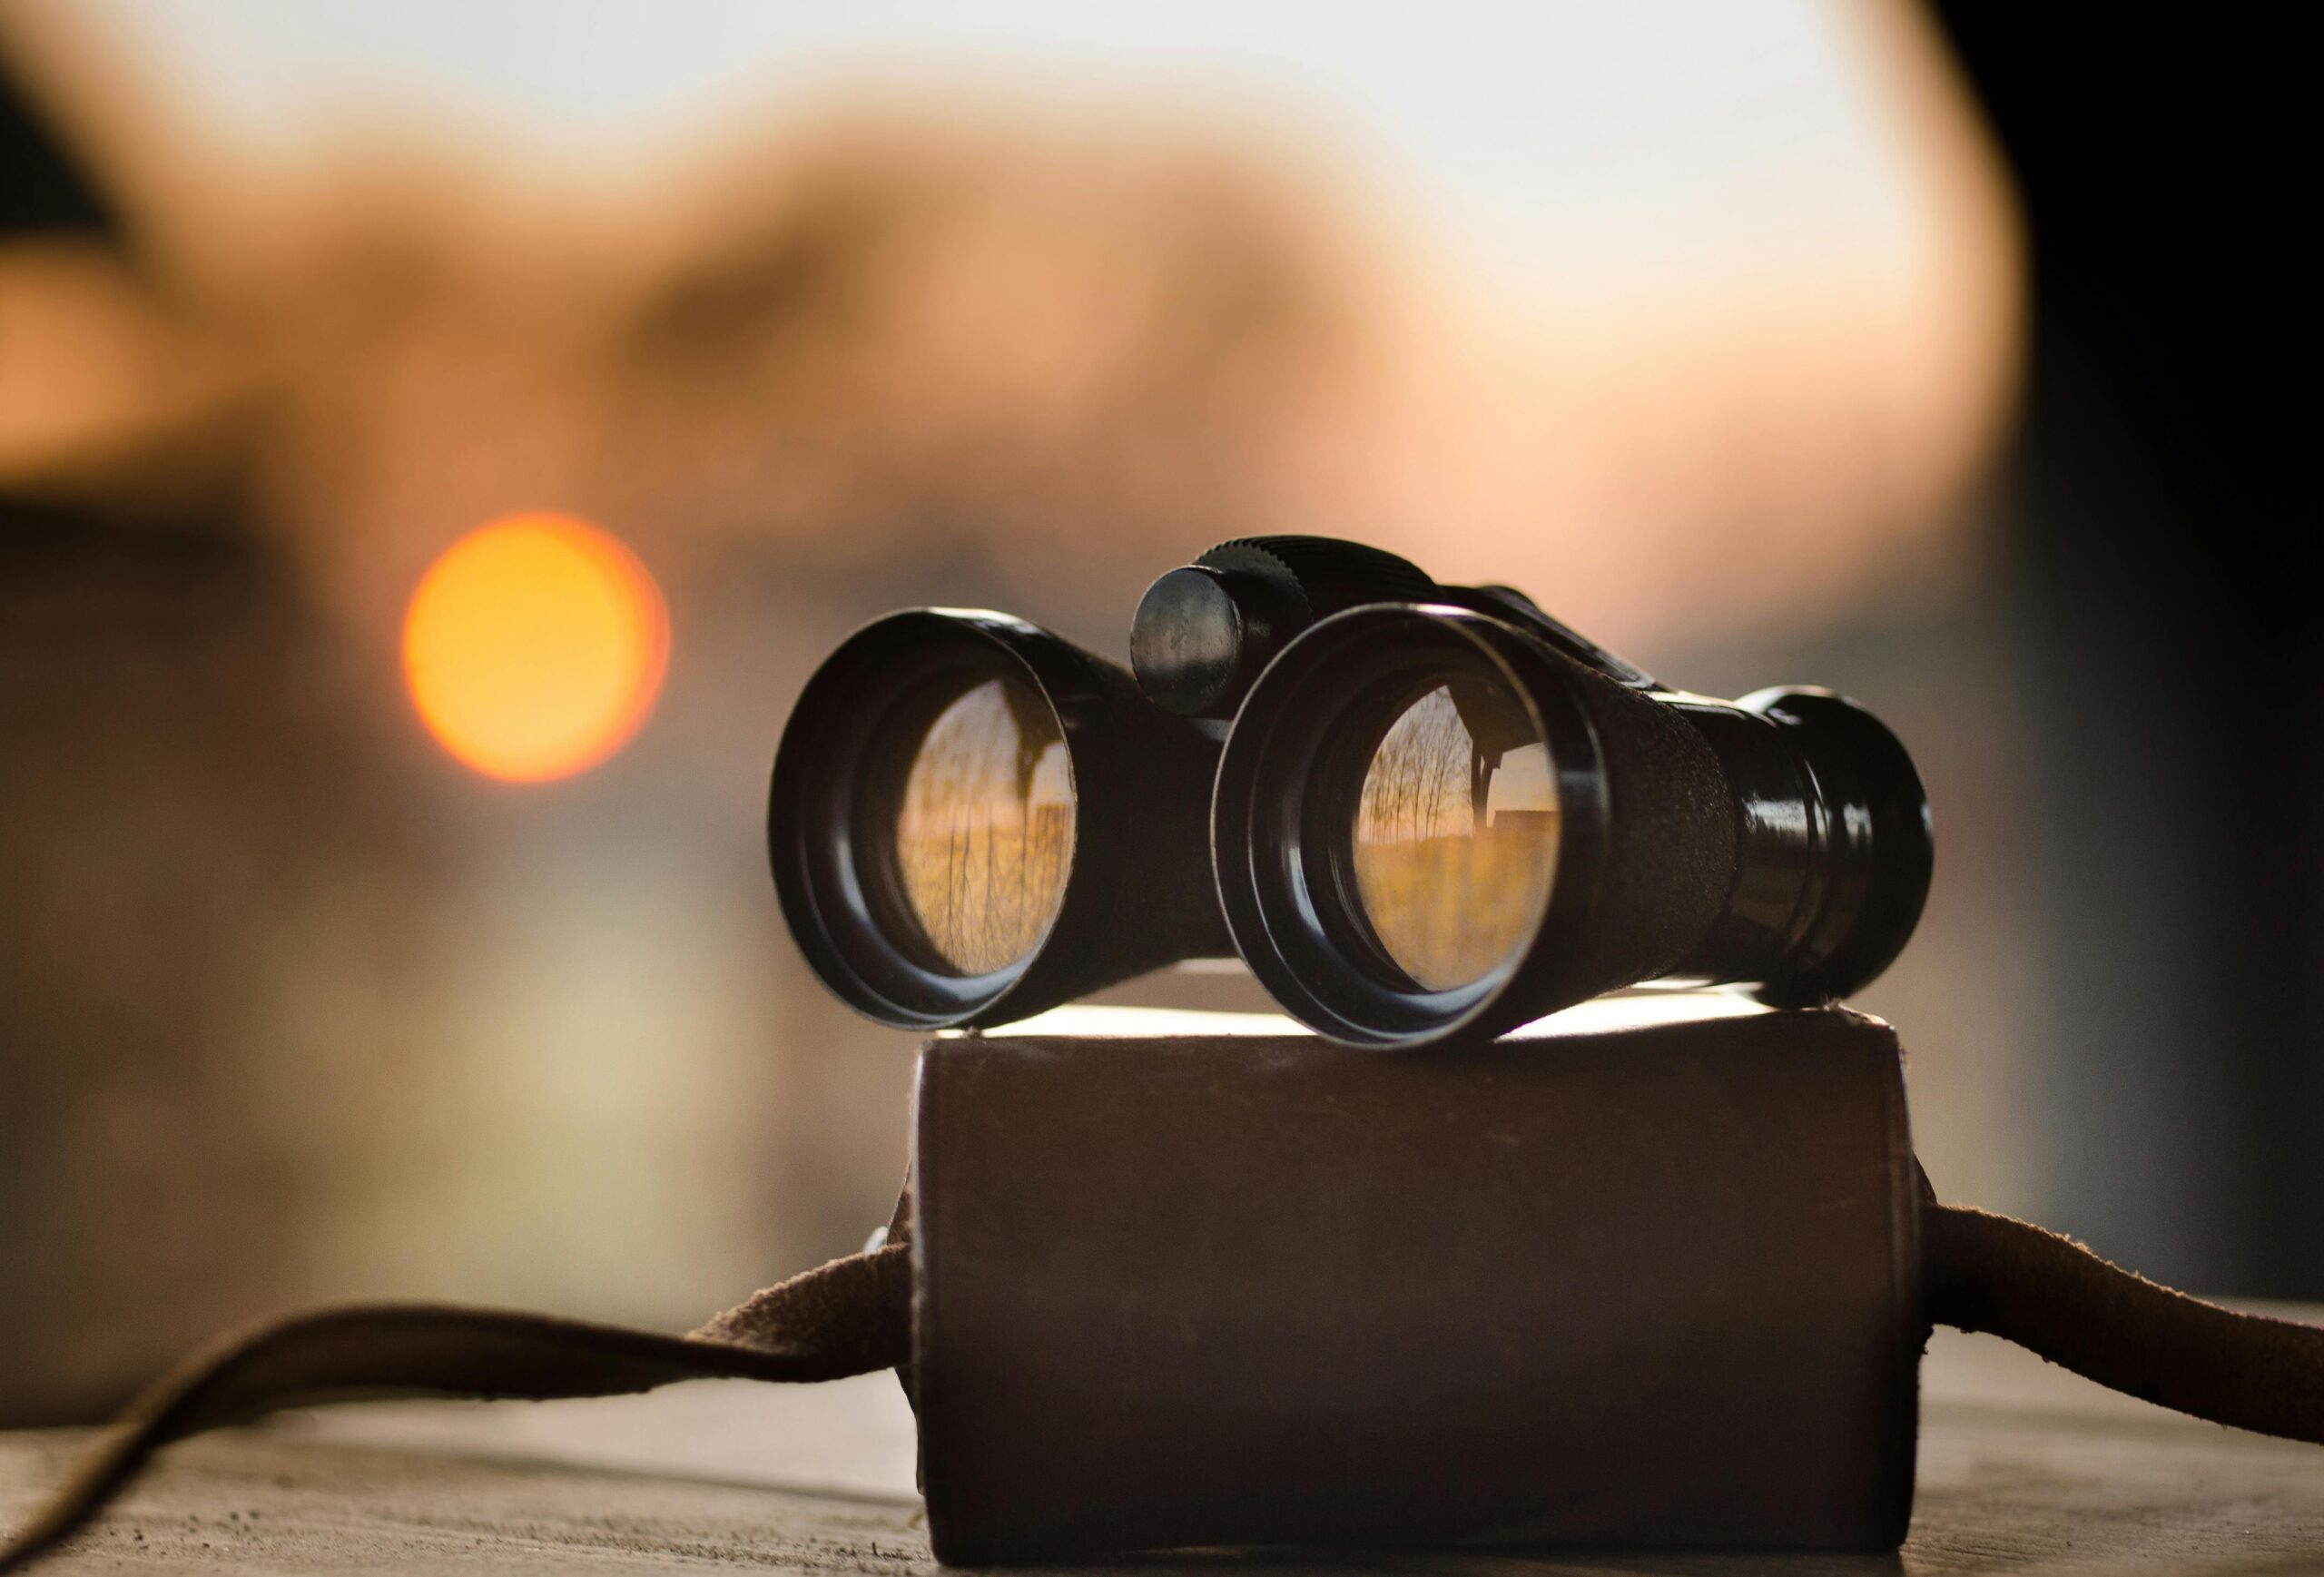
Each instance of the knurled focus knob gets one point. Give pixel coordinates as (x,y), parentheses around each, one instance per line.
(1203,632)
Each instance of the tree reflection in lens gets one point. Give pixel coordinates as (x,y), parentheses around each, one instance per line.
(1456,834)
(985,835)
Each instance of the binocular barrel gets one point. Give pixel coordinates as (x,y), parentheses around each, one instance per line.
(1430,822)
(972,819)
(1416,811)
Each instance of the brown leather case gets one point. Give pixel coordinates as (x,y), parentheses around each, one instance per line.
(1645,1278)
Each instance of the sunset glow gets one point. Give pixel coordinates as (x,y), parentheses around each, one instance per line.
(534,647)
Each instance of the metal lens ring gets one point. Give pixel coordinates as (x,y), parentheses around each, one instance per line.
(1408,815)
(842,807)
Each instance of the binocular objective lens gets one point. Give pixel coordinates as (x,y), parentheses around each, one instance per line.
(1456,834)
(983,828)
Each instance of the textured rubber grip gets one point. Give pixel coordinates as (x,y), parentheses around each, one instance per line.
(1330,575)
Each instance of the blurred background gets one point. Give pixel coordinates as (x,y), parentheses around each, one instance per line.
(1765,341)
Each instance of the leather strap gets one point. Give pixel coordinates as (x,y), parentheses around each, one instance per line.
(849,1316)
(2051,1295)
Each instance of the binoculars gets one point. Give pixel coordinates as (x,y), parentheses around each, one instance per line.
(1417,811)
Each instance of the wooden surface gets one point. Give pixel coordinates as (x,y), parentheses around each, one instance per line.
(2025,1469)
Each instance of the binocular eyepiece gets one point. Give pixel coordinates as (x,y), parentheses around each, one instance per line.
(1417,811)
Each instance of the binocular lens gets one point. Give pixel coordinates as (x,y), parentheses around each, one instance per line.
(1455,834)
(972,820)
(979,823)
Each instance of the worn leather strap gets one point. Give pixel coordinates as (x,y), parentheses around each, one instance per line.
(849,1316)
(2049,1293)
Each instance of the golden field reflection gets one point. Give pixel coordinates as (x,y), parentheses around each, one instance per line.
(1457,835)
(985,836)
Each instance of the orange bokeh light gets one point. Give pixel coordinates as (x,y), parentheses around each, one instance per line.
(534,647)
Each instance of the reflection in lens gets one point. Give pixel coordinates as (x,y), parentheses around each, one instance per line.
(985,834)
(1456,834)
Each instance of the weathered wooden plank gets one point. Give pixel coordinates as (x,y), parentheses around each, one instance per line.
(280,1500)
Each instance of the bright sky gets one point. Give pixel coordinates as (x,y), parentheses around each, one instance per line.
(1678,134)
(1695,267)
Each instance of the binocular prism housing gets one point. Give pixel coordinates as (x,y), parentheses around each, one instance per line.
(1417,811)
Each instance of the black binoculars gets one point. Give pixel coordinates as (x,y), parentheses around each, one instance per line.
(1417,811)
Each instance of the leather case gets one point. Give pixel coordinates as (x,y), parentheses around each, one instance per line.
(1643,1278)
